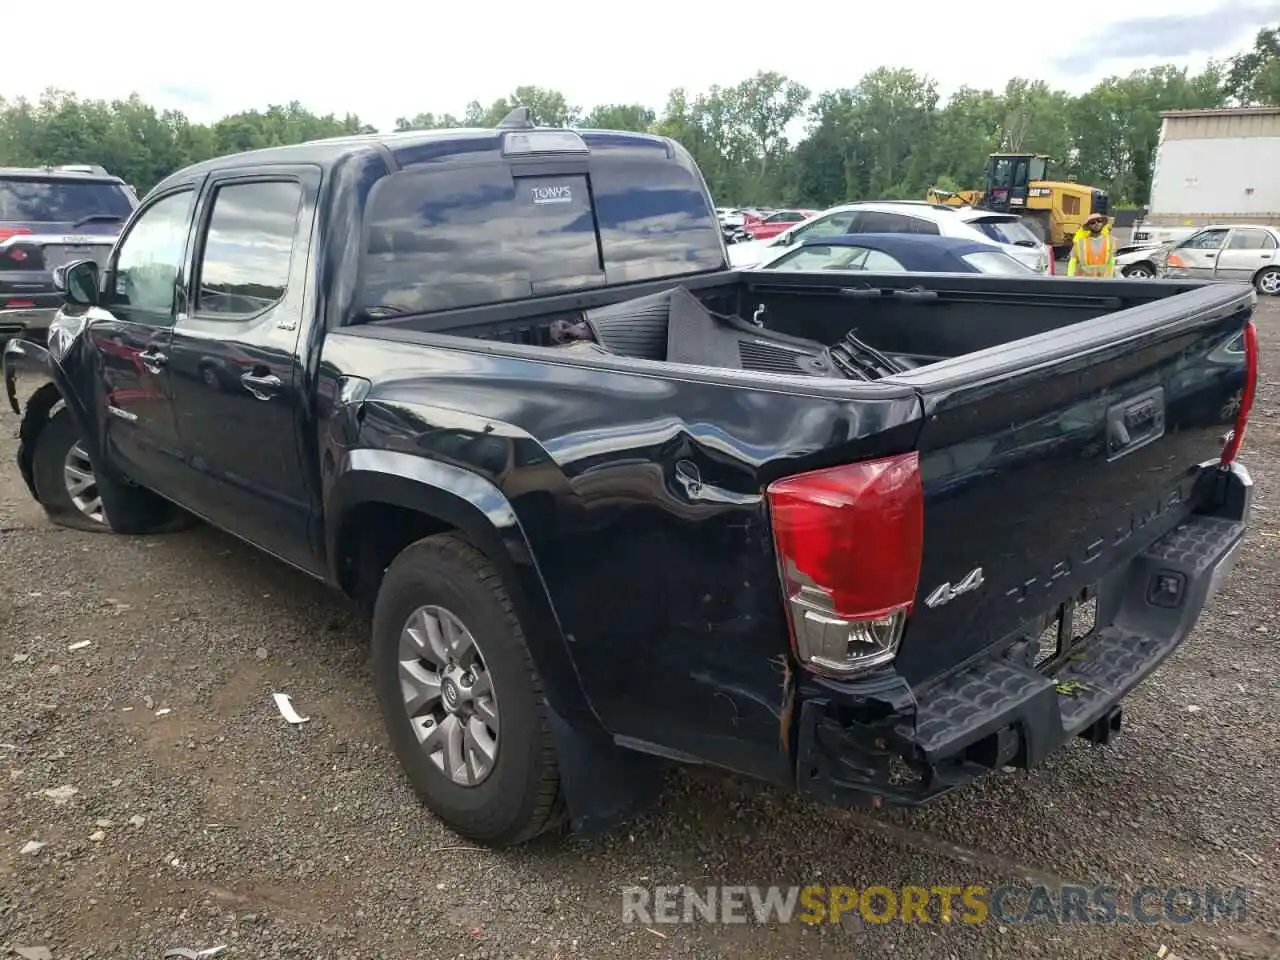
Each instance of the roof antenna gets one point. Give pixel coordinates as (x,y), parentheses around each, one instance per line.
(517,119)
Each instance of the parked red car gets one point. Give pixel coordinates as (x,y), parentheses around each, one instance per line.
(775,223)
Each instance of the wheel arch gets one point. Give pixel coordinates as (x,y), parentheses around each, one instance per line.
(385,500)
(1269,268)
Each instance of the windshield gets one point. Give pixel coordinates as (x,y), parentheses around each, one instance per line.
(997,263)
(1013,232)
(42,200)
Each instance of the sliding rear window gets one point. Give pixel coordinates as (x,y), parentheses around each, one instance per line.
(444,238)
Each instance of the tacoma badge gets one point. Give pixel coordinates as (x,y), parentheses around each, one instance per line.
(946,593)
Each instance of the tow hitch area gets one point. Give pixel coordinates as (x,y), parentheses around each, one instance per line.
(1105,728)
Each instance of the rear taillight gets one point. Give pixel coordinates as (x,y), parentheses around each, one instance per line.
(849,541)
(1236,437)
(8,232)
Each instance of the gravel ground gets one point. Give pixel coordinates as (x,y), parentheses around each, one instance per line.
(178,809)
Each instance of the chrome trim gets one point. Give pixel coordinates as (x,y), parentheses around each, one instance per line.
(122,414)
(61,239)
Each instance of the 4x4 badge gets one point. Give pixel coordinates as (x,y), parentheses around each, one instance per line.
(946,593)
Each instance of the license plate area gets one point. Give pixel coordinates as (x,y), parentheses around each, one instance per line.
(56,255)
(1066,628)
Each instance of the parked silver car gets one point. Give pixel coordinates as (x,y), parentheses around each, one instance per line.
(1248,253)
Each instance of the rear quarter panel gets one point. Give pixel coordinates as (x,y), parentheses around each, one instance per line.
(640,498)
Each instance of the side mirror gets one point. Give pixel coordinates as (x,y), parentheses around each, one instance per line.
(77,282)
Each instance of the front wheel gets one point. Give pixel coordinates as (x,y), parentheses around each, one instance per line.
(66,484)
(1267,282)
(1139,271)
(75,494)
(460,696)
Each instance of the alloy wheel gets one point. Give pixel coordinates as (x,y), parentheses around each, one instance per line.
(82,485)
(448,695)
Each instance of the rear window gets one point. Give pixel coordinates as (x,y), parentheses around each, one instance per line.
(1013,232)
(441,239)
(44,200)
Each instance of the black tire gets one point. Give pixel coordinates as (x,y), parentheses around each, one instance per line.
(521,797)
(127,509)
(1267,282)
(1139,271)
(52,449)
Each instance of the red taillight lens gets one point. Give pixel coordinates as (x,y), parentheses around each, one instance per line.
(849,541)
(7,232)
(1236,437)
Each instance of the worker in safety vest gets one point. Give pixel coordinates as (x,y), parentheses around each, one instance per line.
(1093,252)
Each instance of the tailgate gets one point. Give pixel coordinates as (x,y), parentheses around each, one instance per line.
(1050,461)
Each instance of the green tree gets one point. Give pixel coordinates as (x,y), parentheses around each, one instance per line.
(887,135)
(1253,77)
(621,116)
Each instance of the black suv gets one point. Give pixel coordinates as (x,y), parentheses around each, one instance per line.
(51,216)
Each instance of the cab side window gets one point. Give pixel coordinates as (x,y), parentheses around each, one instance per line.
(248,248)
(150,259)
(1206,240)
(835,225)
(1245,239)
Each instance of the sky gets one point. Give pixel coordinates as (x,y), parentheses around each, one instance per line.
(386,61)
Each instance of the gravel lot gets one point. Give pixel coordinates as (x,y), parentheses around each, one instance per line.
(218,823)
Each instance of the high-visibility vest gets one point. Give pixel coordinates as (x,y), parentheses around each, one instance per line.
(1093,253)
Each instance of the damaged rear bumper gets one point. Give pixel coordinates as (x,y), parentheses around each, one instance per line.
(879,740)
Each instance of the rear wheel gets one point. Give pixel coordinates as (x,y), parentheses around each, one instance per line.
(460,697)
(1267,282)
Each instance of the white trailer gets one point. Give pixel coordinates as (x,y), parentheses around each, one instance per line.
(1213,166)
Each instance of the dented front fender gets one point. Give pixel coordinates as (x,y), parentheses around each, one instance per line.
(33,392)
(25,363)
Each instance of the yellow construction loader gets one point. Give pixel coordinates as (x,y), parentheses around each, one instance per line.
(1019,183)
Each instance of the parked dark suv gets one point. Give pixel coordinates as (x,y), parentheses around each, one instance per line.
(50,216)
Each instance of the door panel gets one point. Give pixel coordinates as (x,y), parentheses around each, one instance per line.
(1248,250)
(237,385)
(1198,254)
(130,333)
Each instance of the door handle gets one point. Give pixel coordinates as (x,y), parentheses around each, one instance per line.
(153,360)
(262,386)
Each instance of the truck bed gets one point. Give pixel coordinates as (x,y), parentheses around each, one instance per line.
(916,320)
(1062,428)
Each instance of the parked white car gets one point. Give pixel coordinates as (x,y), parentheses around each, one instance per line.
(1245,252)
(1005,230)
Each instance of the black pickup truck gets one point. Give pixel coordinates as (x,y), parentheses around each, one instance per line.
(611,504)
